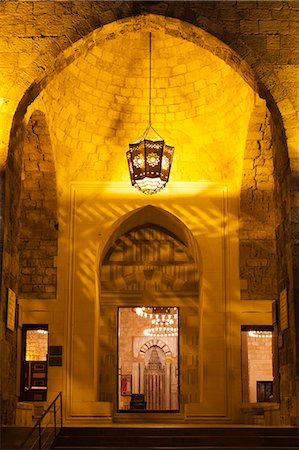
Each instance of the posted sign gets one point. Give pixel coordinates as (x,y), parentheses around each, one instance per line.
(283,310)
(11,310)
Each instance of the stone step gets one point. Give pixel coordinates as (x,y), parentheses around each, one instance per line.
(178,448)
(174,442)
(178,438)
(180,430)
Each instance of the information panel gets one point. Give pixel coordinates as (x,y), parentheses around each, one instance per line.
(11,310)
(283,309)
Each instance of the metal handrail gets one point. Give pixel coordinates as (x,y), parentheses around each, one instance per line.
(38,427)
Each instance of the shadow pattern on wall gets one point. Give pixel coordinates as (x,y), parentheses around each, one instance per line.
(149,258)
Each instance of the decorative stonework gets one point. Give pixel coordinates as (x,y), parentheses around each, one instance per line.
(157,343)
(157,261)
(149,258)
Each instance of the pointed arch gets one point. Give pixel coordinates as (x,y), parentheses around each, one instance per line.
(202,32)
(157,216)
(150,250)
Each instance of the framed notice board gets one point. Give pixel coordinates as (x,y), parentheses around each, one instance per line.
(11,310)
(55,355)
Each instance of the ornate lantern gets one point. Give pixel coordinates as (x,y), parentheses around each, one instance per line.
(150,158)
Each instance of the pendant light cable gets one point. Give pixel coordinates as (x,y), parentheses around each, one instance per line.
(149,127)
(149,157)
(150,80)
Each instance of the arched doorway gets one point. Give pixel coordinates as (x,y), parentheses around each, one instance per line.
(156,268)
(203,138)
(149,377)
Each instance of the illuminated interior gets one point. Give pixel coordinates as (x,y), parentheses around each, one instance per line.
(36,345)
(147,365)
(257,365)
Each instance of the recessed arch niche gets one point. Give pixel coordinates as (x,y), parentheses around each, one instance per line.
(96,100)
(150,259)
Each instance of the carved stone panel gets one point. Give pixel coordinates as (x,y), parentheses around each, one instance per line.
(149,258)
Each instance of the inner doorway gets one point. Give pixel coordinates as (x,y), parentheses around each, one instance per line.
(148,355)
(34,371)
(257,364)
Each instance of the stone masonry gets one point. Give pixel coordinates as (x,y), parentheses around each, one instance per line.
(36,42)
(257,214)
(39,229)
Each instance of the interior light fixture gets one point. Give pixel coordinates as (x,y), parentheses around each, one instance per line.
(149,158)
(164,320)
(260,334)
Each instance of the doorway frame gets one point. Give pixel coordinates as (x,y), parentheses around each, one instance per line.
(270,328)
(25,328)
(138,411)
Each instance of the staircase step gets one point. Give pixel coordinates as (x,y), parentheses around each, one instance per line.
(177,431)
(178,448)
(179,438)
(175,440)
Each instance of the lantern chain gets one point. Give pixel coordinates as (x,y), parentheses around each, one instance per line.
(150,79)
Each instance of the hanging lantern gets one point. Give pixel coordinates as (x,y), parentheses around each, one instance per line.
(149,163)
(150,158)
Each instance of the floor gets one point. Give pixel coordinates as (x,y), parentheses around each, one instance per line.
(12,437)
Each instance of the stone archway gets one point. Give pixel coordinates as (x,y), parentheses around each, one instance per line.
(150,265)
(64,134)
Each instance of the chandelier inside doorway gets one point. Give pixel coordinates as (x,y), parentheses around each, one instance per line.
(149,158)
(164,320)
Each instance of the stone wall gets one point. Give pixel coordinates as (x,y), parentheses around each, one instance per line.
(39,226)
(2,195)
(10,276)
(286,267)
(265,36)
(257,213)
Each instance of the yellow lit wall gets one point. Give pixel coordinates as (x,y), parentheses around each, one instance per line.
(94,107)
(100,103)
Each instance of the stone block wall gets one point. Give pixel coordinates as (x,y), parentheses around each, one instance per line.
(257,212)
(10,275)
(35,195)
(39,226)
(264,35)
(286,269)
(2,194)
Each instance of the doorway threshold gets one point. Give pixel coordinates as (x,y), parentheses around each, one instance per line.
(152,417)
